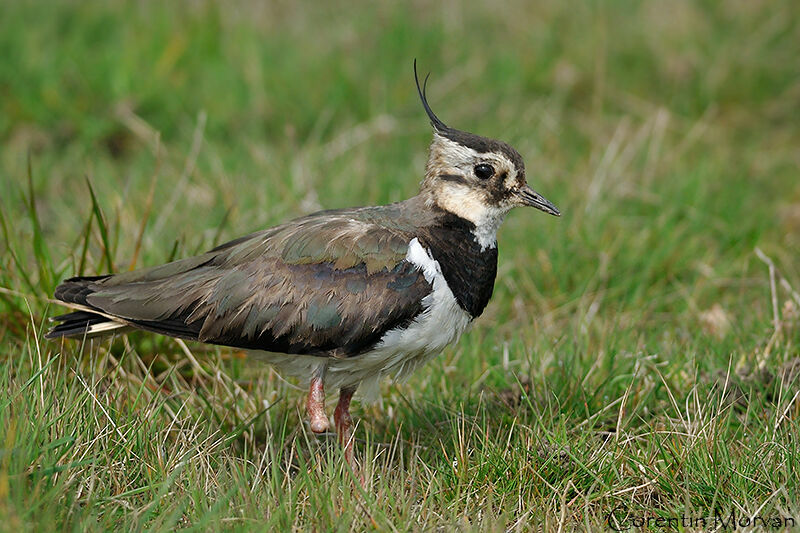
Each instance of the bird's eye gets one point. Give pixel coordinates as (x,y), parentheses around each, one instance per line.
(484,171)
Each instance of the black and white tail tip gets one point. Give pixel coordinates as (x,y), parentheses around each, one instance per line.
(84,321)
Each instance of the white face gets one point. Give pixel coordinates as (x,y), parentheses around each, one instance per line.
(479,187)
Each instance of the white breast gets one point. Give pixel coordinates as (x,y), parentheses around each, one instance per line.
(401,350)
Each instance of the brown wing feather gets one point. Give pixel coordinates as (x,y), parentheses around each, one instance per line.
(327,284)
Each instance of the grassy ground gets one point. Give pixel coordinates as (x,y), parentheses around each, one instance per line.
(639,357)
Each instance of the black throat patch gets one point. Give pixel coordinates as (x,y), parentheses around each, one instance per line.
(468,270)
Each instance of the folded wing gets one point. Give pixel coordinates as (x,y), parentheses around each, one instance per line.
(329,284)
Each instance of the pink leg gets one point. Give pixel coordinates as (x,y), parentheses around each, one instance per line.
(344,424)
(315,406)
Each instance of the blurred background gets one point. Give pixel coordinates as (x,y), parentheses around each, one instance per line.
(668,133)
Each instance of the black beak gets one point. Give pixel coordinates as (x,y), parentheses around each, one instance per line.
(532,198)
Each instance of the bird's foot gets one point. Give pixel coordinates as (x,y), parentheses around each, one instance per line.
(344,424)
(315,406)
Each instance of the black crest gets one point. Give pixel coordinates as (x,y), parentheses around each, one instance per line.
(440,126)
(464,138)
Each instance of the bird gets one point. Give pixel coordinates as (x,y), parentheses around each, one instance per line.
(340,298)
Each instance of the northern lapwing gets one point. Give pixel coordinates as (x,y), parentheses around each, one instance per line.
(339,298)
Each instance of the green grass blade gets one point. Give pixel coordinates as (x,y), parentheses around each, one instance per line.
(101,224)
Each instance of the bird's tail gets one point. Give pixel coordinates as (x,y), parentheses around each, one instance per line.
(82,324)
(85,321)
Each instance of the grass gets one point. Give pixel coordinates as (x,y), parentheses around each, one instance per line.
(638,359)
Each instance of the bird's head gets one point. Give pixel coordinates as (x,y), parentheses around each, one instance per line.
(473,177)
